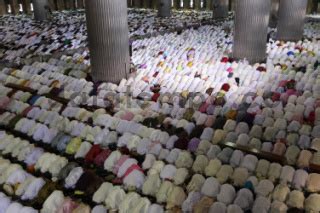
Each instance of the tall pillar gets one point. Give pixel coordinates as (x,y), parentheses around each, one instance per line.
(14,7)
(274,13)
(26,5)
(3,8)
(109,45)
(251,28)
(164,8)
(220,9)
(40,12)
(197,4)
(292,14)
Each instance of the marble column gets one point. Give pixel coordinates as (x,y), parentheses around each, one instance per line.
(3,8)
(274,13)
(292,15)
(109,45)
(40,11)
(251,29)
(164,8)
(220,9)
(14,7)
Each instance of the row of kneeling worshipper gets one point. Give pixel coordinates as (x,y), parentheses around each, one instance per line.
(199,195)
(68,31)
(183,159)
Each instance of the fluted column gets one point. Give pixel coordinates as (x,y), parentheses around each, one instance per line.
(274,13)
(14,7)
(3,8)
(292,14)
(40,11)
(108,36)
(251,28)
(220,9)
(164,8)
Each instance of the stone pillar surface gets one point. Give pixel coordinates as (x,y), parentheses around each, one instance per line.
(274,13)
(292,15)
(220,9)
(39,9)
(164,8)
(108,36)
(251,29)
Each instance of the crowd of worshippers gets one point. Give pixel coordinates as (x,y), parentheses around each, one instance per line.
(198,131)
